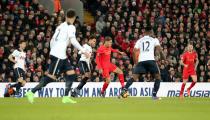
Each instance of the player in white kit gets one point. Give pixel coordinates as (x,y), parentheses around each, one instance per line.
(63,36)
(146,47)
(18,57)
(85,65)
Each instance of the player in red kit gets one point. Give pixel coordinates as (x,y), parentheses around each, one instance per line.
(189,60)
(104,65)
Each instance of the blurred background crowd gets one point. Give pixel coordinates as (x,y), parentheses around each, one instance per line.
(174,23)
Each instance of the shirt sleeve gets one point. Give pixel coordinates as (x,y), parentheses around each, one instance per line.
(73,39)
(76,44)
(183,57)
(196,55)
(15,53)
(114,50)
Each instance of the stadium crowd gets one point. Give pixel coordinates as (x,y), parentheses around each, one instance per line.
(174,22)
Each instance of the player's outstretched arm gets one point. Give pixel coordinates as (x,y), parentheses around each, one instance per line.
(117,51)
(76,44)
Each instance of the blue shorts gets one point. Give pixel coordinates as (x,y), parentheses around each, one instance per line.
(145,67)
(58,66)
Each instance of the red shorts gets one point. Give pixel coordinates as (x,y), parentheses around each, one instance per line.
(188,72)
(108,69)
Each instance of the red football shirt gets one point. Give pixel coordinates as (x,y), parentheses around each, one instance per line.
(103,56)
(189,58)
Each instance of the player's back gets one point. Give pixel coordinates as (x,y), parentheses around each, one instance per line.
(146,45)
(61,40)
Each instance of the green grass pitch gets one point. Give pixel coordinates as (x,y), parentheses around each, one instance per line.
(105,109)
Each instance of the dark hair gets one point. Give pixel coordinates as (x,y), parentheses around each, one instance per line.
(92,37)
(107,38)
(70,13)
(148,28)
(190,43)
(21,41)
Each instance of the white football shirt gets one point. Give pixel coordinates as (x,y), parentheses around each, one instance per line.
(89,50)
(146,45)
(64,34)
(20,57)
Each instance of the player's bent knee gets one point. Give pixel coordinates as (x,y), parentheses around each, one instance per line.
(20,79)
(23,83)
(135,77)
(107,80)
(118,71)
(51,76)
(194,78)
(184,81)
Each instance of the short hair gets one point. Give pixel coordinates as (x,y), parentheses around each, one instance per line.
(70,13)
(92,37)
(21,41)
(190,43)
(148,28)
(107,38)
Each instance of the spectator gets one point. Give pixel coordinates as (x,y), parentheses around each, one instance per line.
(100,24)
(172,76)
(164,73)
(124,21)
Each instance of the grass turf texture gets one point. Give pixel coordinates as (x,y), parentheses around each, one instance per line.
(105,109)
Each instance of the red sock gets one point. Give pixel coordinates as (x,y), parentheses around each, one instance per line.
(104,87)
(121,79)
(182,88)
(192,84)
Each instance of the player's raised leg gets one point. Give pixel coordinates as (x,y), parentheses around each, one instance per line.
(43,82)
(194,78)
(137,71)
(120,76)
(124,93)
(76,91)
(54,70)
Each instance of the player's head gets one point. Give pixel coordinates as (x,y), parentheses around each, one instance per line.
(92,41)
(190,47)
(148,30)
(70,16)
(22,44)
(108,41)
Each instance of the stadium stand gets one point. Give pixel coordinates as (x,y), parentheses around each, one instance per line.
(174,22)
